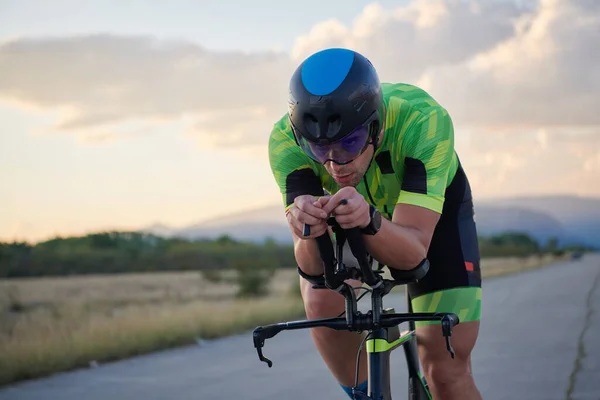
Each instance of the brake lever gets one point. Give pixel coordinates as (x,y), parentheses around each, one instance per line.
(259,337)
(263,358)
(447,332)
(449,346)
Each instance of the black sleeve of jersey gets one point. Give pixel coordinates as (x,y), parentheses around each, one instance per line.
(300,182)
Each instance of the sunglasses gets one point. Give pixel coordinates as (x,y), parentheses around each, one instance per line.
(342,151)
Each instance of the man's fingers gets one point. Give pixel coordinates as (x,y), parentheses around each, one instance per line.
(353,219)
(297,227)
(348,220)
(346,206)
(305,231)
(309,208)
(317,230)
(322,201)
(305,218)
(332,203)
(347,194)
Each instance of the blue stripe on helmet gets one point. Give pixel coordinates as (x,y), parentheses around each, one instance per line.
(324,71)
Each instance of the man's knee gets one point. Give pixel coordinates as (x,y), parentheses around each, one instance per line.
(320,303)
(442,372)
(439,367)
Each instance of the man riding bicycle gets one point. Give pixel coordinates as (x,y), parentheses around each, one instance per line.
(388,149)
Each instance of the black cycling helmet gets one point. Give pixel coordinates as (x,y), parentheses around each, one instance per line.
(335,105)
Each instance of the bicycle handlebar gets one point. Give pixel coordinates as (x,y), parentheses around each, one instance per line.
(335,280)
(357,246)
(362,322)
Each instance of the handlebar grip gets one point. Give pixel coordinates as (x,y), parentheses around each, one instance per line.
(325,246)
(357,247)
(359,250)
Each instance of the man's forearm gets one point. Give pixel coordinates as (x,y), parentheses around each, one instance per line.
(396,246)
(308,256)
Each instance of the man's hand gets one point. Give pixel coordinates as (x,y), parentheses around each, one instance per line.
(350,215)
(307,210)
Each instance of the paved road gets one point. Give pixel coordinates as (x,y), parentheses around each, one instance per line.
(540,339)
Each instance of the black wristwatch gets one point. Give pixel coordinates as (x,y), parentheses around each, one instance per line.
(375,223)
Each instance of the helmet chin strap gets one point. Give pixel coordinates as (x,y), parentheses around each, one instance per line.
(375,142)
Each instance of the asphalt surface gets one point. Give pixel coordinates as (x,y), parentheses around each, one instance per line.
(539,339)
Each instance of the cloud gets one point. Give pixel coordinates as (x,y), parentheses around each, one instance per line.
(545,75)
(532,162)
(489,63)
(521,83)
(494,65)
(405,41)
(106,80)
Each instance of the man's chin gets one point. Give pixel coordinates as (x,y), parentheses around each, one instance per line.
(353,181)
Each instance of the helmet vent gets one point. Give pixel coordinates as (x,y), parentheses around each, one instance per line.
(334,124)
(311,124)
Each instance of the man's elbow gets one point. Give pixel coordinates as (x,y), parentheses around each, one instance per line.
(422,248)
(420,255)
(417,252)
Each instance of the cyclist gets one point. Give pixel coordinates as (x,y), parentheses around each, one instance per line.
(388,148)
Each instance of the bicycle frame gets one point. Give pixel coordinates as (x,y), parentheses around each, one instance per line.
(381,324)
(379,345)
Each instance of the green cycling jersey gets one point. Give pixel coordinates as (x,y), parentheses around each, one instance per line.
(414,163)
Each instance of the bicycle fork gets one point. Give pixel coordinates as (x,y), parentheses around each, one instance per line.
(380,344)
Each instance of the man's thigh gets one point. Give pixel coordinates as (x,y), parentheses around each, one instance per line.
(453,284)
(464,302)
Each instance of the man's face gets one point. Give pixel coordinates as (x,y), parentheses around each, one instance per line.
(350,174)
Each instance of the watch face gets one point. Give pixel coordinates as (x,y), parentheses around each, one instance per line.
(377,220)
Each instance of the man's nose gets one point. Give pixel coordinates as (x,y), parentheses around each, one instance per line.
(335,167)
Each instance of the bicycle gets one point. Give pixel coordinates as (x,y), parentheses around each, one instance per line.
(381,323)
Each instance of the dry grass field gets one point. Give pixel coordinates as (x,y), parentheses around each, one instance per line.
(56,324)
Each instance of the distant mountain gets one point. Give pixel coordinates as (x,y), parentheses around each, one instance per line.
(570,219)
(564,208)
(253,232)
(254,225)
(578,216)
(160,230)
(492,220)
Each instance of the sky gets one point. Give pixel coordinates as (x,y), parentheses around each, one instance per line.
(119,115)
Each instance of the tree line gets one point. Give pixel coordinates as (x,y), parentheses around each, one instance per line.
(119,252)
